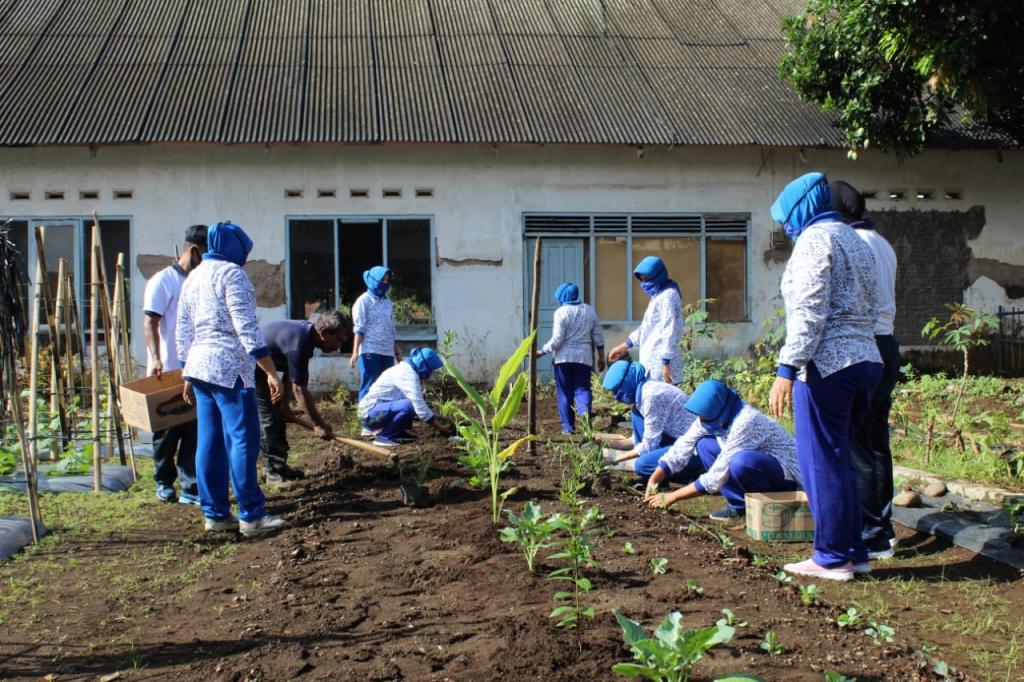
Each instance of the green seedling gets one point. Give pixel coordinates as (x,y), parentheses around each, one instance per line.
(628,548)
(783,578)
(693,587)
(833,676)
(809,594)
(760,561)
(495,411)
(658,565)
(850,619)
(879,632)
(672,653)
(732,619)
(772,645)
(726,541)
(528,530)
(1015,510)
(941,668)
(693,529)
(577,550)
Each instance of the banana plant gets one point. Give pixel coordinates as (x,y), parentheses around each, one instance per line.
(496,410)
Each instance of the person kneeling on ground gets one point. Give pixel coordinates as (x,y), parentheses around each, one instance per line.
(738,450)
(659,413)
(396,398)
(291,344)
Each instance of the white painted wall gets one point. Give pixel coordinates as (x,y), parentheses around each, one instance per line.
(480,194)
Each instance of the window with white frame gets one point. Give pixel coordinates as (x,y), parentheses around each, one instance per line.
(706,254)
(328,255)
(69,238)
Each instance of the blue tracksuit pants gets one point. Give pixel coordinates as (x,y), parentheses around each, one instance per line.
(827,413)
(371,366)
(392,418)
(750,471)
(572,388)
(648,462)
(227,448)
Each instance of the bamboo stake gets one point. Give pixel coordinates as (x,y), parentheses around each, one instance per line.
(64,295)
(33,376)
(115,398)
(121,308)
(53,336)
(79,328)
(28,452)
(531,408)
(57,335)
(94,323)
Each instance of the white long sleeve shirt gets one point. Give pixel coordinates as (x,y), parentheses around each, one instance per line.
(885,263)
(657,337)
(829,292)
(663,407)
(217,333)
(395,383)
(750,430)
(373,319)
(575,332)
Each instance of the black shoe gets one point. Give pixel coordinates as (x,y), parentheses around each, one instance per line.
(283,474)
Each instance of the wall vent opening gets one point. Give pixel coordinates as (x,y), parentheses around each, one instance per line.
(359,193)
(324,193)
(54,195)
(896,195)
(293,193)
(89,194)
(923,194)
(21,196)
(392,193)
(124,193)
(870,194)
(954,195)
(424,192)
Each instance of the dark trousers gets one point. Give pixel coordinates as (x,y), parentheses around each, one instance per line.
(273,429)
(827,413)
(872,456)
(177,443)
(572,391)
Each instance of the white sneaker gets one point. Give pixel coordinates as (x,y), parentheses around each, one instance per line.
(862,569)
(266,524)
(368,433)
(226,525)
(882,555)
(813,570)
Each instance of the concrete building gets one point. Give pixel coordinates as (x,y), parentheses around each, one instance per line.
(442,138)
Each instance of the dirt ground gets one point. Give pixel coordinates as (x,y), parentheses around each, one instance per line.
(362,587)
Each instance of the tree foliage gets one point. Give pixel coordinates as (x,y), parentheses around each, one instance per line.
(895,70)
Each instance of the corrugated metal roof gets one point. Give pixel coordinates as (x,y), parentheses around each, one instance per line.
(534,71)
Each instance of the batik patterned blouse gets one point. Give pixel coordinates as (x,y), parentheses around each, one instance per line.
(574,334)
(657,337)
(663,407)
(372,318)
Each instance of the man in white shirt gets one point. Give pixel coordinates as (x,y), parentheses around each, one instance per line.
(872,456)
(160,304)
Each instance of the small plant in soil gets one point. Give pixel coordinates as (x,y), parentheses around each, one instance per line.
(726,541)
(732,619)
(658,565)
(783,578)
(833,676)
(628,548)
(482,435)
(528,530)
(760,561)
(576,549)
(809,594)
(879,632)
(1015,511)
(772,645)
(850,619)
(693,588)
(672,653)
(693,529)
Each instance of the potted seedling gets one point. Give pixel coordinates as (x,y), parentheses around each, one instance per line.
(414,493)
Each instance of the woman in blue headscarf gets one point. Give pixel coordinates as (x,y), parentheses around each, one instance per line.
(220,340)
(373,344)
(829,290)
(396,398)
(659,414)
(731,449)
(575,333)
(657,337)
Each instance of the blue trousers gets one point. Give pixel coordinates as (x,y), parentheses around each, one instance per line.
(827,413)
(572,386)
(750,471)
(227,449)
(392,418)
(648,462)
(371,366)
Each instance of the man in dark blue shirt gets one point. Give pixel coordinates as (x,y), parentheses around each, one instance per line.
(291,344)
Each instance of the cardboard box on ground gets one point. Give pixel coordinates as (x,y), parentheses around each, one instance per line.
(779,517)
(153,404)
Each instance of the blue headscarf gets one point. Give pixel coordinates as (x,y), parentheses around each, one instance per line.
(424,361)
(374,280)
(227,241)
(653,268)
(625,380)
(716,404)
(805,201)
(568,293)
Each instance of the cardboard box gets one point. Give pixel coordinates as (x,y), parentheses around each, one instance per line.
(153,404)
(779,517)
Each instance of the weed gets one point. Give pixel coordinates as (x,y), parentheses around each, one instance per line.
(528,531)
(809,594)
(833,676)
(658,565)
(672,653)
(693,587)
(419,470)
(726,541)
(772,645)
(693,529)
(628,548)
(850,619)
(760,561)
